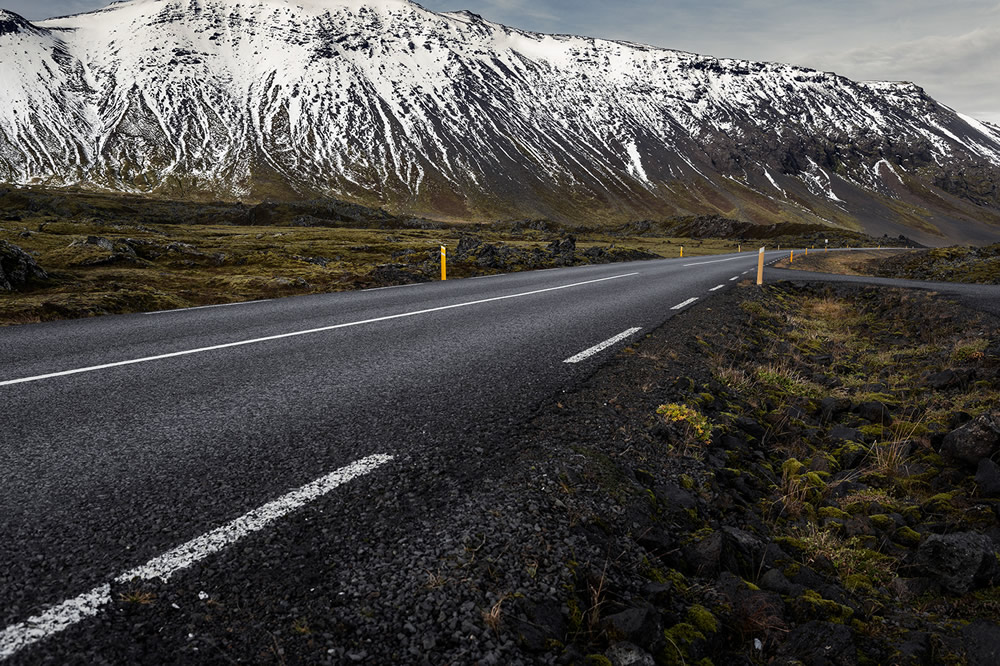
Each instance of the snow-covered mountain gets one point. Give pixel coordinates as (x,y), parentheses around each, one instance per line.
(384,102)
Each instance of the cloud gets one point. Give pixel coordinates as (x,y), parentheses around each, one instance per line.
(961,71)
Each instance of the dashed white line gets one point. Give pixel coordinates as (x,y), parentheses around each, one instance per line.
(204,307)
(587,353)
(735,277)
(685,303)
(62,616)
(717,288)
(293,334)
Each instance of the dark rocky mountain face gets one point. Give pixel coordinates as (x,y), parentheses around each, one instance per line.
(387,104)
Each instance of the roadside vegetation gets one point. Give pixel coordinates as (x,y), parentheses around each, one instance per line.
(811,479)
(74,254)
(976,265)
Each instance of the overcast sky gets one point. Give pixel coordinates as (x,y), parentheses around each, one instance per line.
(951,48)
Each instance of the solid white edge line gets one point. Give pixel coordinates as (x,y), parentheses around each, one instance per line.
(685,303)
(395,286)
(717,288)
(205,307)
(483,277)
(293,334)
(714,261)
(64,615)
(587,353)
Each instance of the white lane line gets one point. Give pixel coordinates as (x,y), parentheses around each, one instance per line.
(64,615)
(203,307)
(685,303)
(714,261)
(483,277)
(18,636)
(587,353)
(735,277)
(395,286)
(293,334)
(717,288)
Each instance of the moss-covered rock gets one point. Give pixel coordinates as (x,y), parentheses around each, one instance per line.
(906,537)
(812,606)
(703,619)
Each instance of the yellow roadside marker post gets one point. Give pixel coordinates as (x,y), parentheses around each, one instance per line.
(760,266)
(791,257)
(444,263)
(682,251)
(739,248)
(807,252)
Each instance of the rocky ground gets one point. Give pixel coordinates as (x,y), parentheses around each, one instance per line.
(974,265)
(810,478)
(799,474)
(980,265)
(61,269)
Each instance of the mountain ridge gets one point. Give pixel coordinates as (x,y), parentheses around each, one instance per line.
(447,114)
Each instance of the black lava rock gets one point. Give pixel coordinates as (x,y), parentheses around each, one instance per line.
(978,439)
(959,561)
(17,268)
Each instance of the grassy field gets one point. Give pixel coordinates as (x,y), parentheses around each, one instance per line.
(856,262)
(100,268)
(979,265)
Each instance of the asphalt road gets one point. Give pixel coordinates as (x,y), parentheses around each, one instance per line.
(124,437)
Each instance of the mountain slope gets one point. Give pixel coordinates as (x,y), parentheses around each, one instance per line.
(386,103)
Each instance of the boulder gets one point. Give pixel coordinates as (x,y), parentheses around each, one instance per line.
(982,641)
(977,439)
(959,562)
(640,625)
(466,246)
(820,644)
(17,268)
(831,407)
(988,478)
(845,434)
(874,411)
(741,552)
(942,380)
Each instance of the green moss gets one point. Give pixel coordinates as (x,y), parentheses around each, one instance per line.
(795,545)
(815,479)
(686,482)
(792,468)
(575,615)
(859,583)
(680,638)
(849,452)
(824,609)
(940,503)
(872,431)
(881,521)
(597,660)
(701,618)
(907,537)
(912,513)
(833,512)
